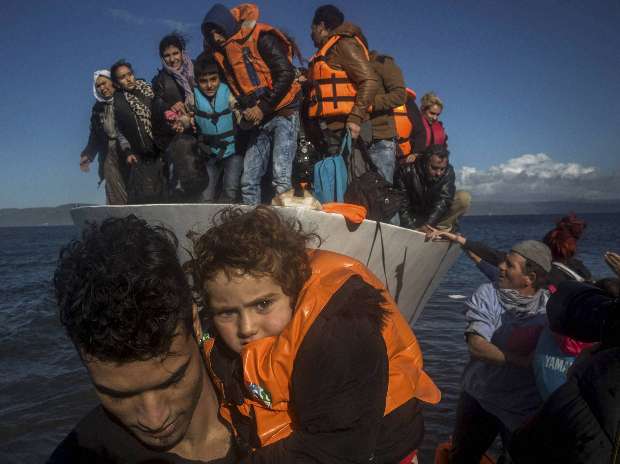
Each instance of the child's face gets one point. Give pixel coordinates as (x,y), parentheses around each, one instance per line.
(209,83)
(247,308)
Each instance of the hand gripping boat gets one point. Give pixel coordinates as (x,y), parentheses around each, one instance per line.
(410,267)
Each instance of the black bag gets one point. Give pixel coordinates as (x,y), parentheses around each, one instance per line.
(146,182)
(370,190)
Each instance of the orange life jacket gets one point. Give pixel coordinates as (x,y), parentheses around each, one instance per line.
(332,92)
(403,126)
(268,363)
(243,67)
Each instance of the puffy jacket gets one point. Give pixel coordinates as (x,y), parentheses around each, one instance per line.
(580,422)
(256,59)
(349,56)
(426,201)
(362,403)
(390,94)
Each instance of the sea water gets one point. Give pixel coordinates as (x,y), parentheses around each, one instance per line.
(44,390)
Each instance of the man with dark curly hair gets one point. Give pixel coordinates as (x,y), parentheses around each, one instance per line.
(126,305)
(316,362)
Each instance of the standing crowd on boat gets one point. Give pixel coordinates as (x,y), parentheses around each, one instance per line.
(262,348)
(242,124)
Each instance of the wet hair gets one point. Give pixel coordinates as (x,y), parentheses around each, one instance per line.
(329,15)
(205,64)
(174,39)
(429,100)
(562,240)
(541,280)
(259,242)
(119,64)
(121,291)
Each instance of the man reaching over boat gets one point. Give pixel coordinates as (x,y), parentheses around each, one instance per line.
(504,321)
(126,305)
(431,195)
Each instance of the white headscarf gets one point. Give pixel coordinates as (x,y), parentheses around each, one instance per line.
(98,96)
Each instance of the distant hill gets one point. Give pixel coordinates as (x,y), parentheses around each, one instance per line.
(47,216)
(483,208)
(60,216)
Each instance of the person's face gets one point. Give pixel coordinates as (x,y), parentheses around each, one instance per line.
(512,273)
(173,57)
(432,113)
(209,83)
(247,308)
(154,399)
(125,78)
(318,33)
(437,167)
(104,86)
(217,38)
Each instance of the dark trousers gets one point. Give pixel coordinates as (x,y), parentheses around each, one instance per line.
(474,432)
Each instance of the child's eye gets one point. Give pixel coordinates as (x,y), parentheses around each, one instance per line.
(226,314)
(264,305)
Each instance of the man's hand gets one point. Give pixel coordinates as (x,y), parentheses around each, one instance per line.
(438,234)
(410,158)
(613,261)
(354,129)
(254,114)
(84,164)
(132,159)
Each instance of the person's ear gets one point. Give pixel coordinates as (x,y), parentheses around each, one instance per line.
(531,278)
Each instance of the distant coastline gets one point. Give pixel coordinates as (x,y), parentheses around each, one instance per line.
(60,215)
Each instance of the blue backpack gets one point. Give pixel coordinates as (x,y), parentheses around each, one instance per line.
(330,175)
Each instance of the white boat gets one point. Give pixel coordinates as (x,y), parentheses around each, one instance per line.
(410,267)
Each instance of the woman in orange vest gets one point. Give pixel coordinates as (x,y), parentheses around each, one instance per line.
(312,358)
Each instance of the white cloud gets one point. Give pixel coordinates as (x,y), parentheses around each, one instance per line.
(539,177)
(130,18)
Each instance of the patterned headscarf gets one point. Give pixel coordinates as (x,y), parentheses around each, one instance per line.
(141,106)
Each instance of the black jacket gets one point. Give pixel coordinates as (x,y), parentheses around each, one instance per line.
(339,384)
(129,126)
(167,92)
(100,439)
(580,422)
(426,201)
(97,138)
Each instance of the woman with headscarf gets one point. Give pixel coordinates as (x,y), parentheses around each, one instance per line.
(173,107)
(102,140)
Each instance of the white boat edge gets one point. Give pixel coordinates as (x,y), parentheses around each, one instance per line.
(410,267)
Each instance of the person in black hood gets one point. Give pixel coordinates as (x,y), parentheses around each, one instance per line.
(580,422)
(432,199)
(256,62)
(132,110)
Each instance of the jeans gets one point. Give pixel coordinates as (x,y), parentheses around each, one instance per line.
(280,136)
(383,155)
(228,172)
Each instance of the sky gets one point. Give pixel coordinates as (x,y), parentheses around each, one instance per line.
(531,88)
